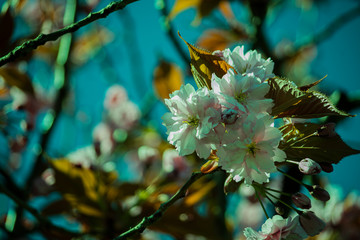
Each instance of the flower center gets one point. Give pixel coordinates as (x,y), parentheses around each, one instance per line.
(229,116)
(193,121)
(245,68)
(241,97)
(251,148)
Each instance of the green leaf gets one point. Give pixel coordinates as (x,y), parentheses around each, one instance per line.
(301,140)
(292,102)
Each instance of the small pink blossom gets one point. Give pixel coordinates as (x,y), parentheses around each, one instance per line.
(125,116)
(102,137)
(174,164)
(115,96)
(276,228)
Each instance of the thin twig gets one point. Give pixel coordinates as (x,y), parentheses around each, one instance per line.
(147,221)
(330,30)
(42,38)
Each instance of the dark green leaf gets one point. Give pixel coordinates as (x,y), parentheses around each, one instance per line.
(301,140)
(292,102)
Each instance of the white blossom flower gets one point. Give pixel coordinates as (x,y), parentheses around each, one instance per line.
(102,135)
(125,115)
(115,95)
(277,228)
(173,163)
(243,93)
(252,156)
(250,62)
(85,157)
(191,121)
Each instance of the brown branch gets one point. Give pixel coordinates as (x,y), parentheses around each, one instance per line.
(32,44)
(147,221)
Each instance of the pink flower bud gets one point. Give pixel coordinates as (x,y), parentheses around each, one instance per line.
(327,130)
(309,167)
(311,223)
(327,167)
(301,200)
(319,193)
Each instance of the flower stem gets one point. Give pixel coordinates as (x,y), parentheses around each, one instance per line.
(294,162)
(274,190)
(292,178)
(285,204)
(261,203)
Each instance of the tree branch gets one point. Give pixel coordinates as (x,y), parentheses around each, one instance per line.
(147,221)
(32,44)
(328,31)
(61,82)
(10,183)
(44,222)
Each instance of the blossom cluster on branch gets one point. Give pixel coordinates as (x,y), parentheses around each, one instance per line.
(230,120)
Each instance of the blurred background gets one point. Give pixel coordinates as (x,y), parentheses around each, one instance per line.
(94,101)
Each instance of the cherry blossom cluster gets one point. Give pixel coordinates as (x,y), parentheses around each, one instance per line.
(121,116)
(232,118)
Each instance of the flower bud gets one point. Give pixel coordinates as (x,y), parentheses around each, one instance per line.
(319,193)
(326,167)
(327,130)
(311,223)
(309,167)
(301,200)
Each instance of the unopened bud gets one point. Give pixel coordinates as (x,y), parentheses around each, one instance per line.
(319,193)
(311,223)
(301,200)
(229,116)
(327,167)
(327,130)
(230,185)
(309,167)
